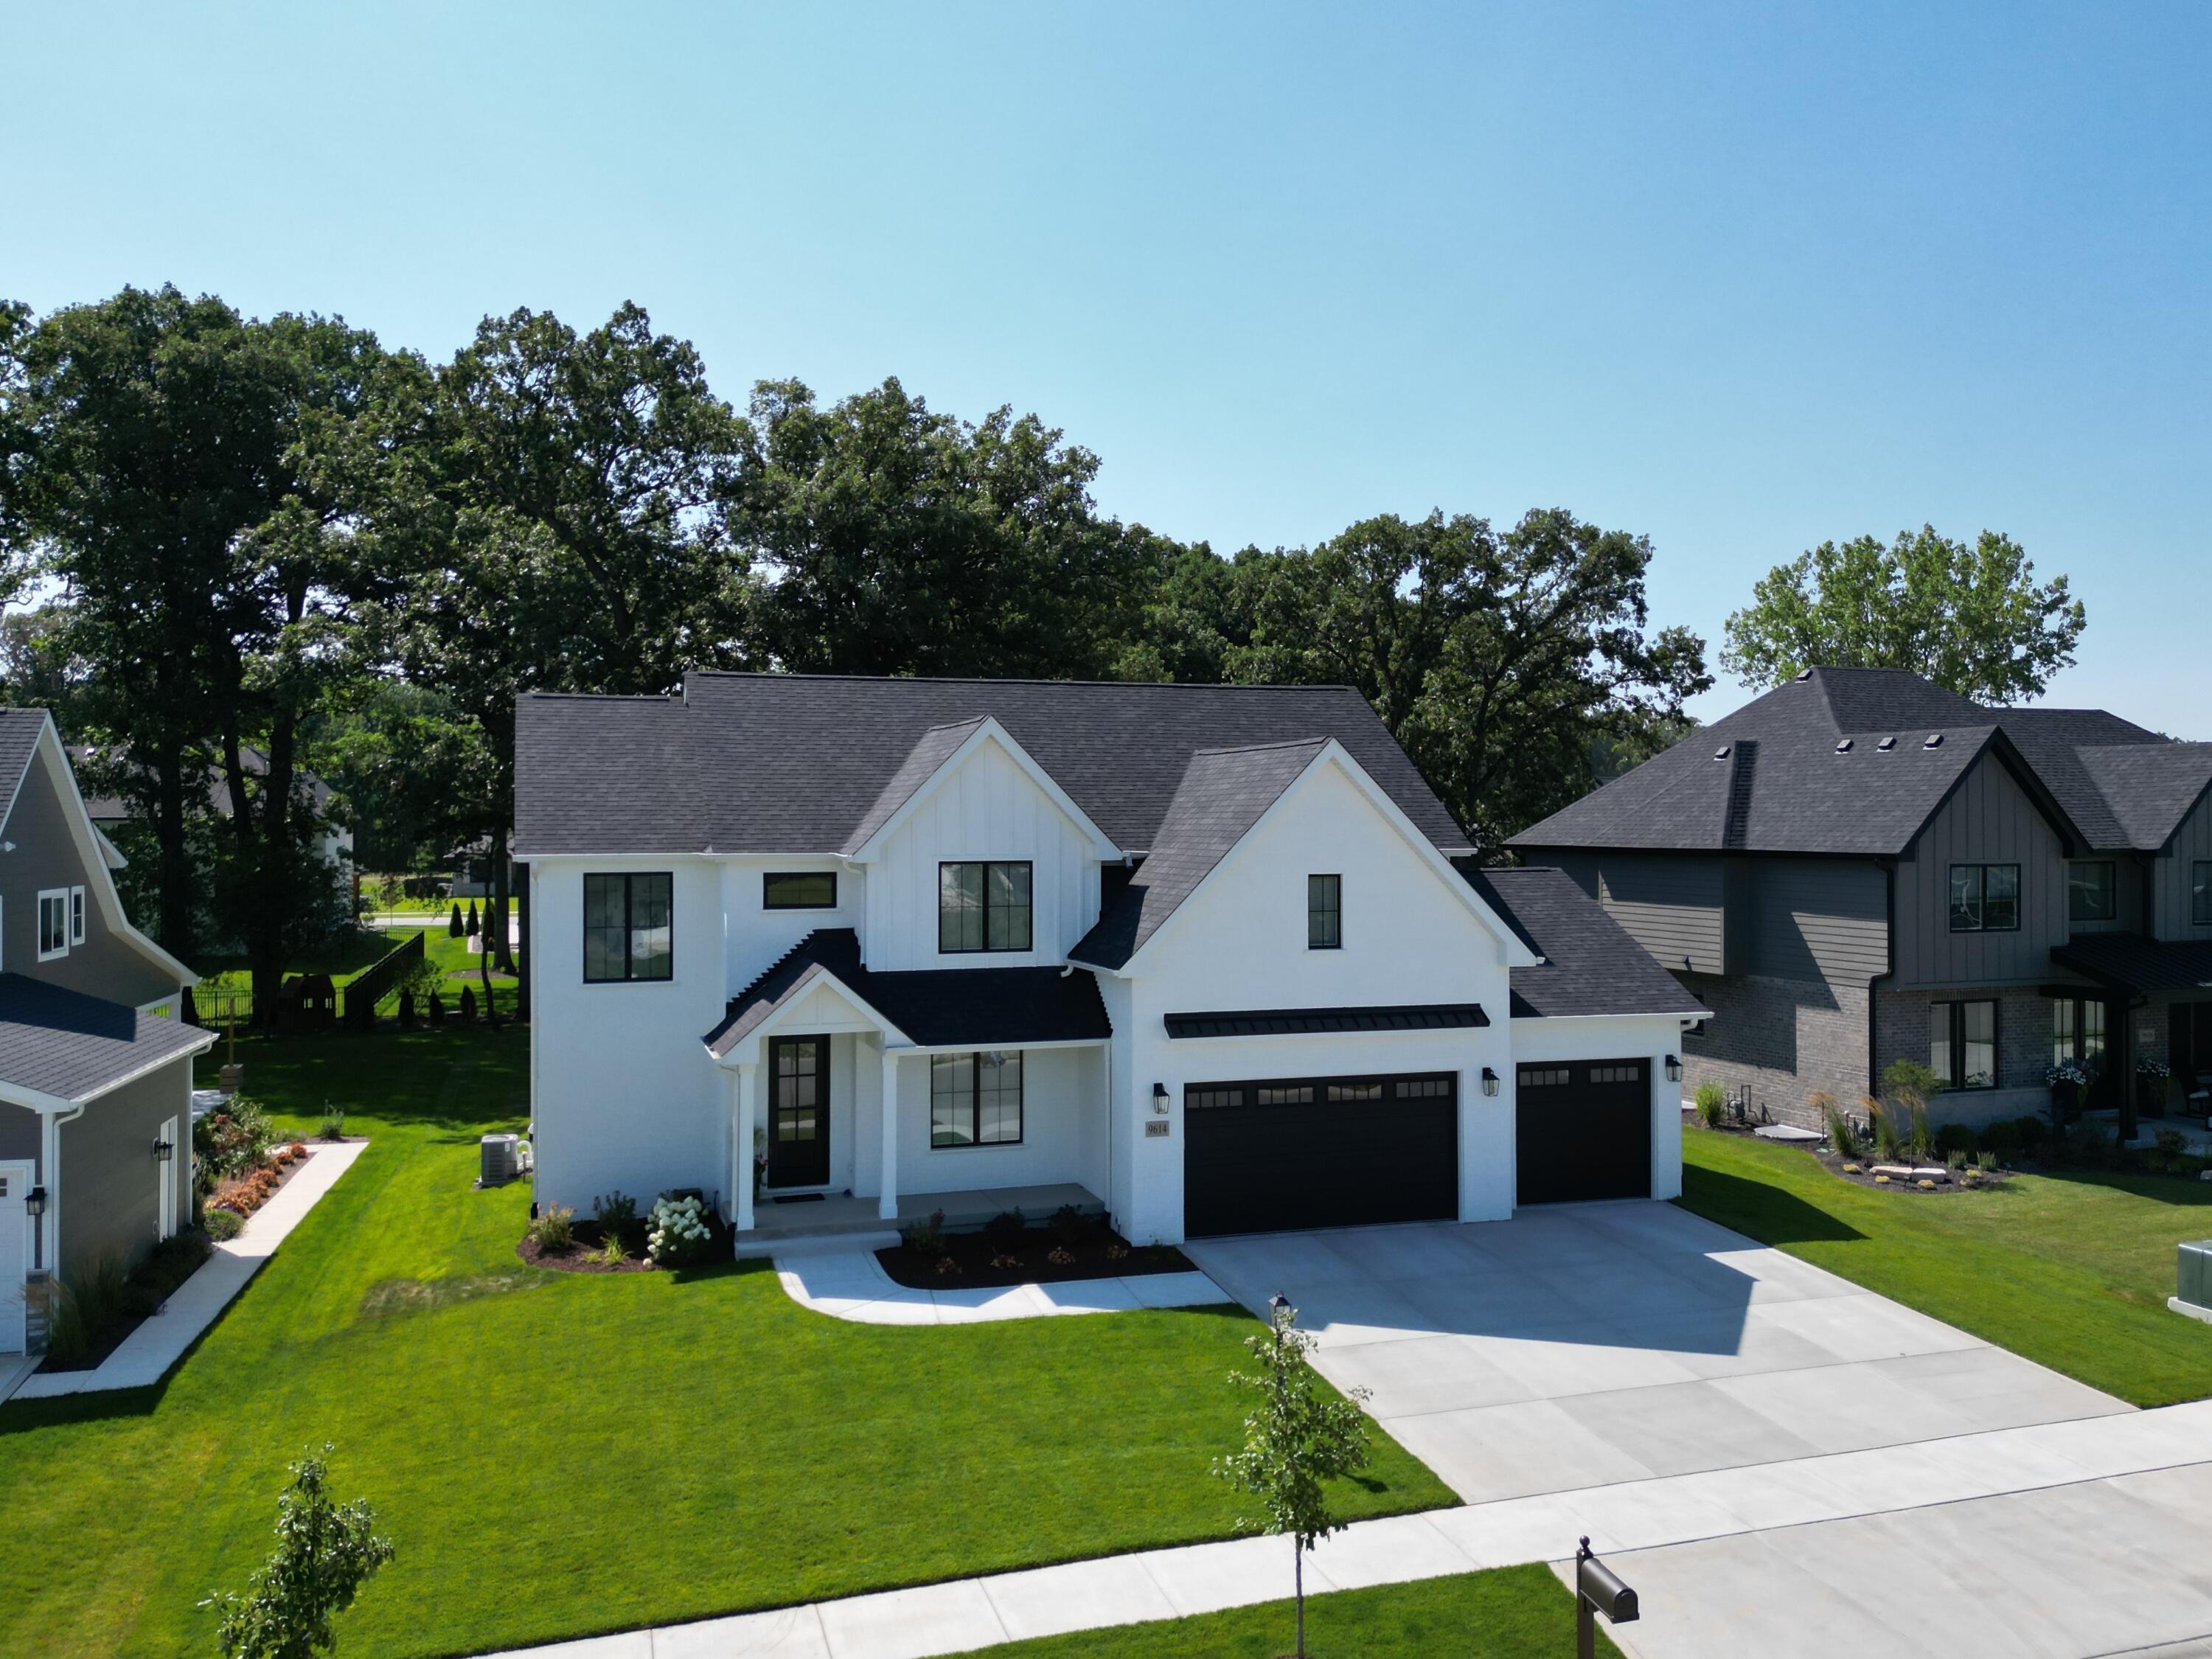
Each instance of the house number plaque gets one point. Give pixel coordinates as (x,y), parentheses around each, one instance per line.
(1156,1128)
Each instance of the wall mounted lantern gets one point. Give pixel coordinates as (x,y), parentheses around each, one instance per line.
(1674,1068)
(1160,1098)
(1489,1081)
(34,1202)
(163,1152)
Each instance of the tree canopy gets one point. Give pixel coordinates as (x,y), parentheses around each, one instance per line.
(1971,617)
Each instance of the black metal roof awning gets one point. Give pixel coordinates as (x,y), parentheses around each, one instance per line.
(1306,1022)
(2145,967)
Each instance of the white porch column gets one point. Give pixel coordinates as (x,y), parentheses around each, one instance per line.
(744,1160)
(887,1205)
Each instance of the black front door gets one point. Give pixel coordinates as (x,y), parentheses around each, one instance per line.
(799,1112)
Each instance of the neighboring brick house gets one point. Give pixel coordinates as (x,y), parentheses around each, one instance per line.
(1860,867)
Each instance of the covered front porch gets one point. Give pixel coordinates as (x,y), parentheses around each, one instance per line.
(836,1216)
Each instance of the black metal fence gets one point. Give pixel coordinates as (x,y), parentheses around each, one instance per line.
(380,980)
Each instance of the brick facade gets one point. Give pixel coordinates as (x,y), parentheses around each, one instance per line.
(2024,1045)
(1781,1039)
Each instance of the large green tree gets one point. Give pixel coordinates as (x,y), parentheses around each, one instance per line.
(1503,661)
(1968,616)
(897,539)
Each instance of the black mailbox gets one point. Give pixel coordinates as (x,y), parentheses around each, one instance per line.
(1597,1590)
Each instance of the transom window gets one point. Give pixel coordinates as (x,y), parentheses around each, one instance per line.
(1962,1043)
(983,907)
(2077,1032)
(1324,913)
(976,1100)
(1985,899)
(1355,1092)
(2090,890)
(1616,1074)
(1300,1096)
(798,889)
(53,923)
(628,933)
(2200,893)
(1303,1092)
(1545,1076)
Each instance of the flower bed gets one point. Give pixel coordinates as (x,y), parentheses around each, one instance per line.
(679,1230)
(242,1194)
(1011,1251)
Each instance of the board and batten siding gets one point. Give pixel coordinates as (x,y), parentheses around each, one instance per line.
(1674,905)
(988,808)
(1989,819)
(2191,842)
(1818,919)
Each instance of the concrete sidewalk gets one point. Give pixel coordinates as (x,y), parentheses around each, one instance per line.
(2098,1465)
(145,1356)
(853,1284)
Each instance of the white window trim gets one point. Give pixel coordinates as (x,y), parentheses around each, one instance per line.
(76,913)
(60,895)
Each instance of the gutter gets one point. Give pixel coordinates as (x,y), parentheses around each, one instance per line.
(50,1177)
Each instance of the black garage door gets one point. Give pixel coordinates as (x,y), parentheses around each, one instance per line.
(1334,1152)
(1584,1130)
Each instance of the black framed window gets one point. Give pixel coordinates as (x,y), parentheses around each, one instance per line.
(1985,899)
(2200,893)
(983,907)
(628,931)
(2077,1031)
(1324,913)
(2091,891)
(798,889)
(1962,1043)
(976,1100)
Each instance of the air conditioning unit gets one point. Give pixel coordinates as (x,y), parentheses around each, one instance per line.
(497,1163)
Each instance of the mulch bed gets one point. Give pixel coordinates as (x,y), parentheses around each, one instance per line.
(1957,1183)
(1091,1256)
(586,1241)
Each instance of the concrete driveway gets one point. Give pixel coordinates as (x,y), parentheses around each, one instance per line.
(1587,1345)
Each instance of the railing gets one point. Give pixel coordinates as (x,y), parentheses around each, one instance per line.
(381,979)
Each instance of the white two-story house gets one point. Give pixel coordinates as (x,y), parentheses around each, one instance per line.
(1198,956)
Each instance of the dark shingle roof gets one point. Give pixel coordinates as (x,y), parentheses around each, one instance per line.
(983,1005)
(2151,786)
(1590,966)
(69,1045)
(19,739)
(787,763)
(934,748)
(1824,783)
(1222,795)
(2138,963)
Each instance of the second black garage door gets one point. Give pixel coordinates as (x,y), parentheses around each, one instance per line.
(1340,1151)
(1584,1129)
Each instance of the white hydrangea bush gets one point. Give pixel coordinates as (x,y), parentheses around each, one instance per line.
(679,1229)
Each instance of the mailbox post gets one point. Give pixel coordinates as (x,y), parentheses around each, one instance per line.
(1596,1590)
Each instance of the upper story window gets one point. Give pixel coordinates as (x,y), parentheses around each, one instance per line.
(1324,913)
(2200,893)
(53,923)
(76,916)
(983,907)
(1985,899)
(800,890)
(1962,1043)
(627,927)
(2092,892)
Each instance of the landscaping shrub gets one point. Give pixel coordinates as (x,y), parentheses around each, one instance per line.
(2171,1143)
(1957,1140)
(223,1224)
(230,1141)
(1959,1161)
(926,1236)
(1070,1226)
(1005,1232)
(1888,1140)
(333,1122)
(1986,1161)
(453,929)
(554,1228)
(437,1009)
(1908,1080)
(68,1339)
(680,1233)
(468,1005)
(2033,1131)
(1712,1104)
(1841,1134)
(1924,1138)
(2001,1138)
(617,1214)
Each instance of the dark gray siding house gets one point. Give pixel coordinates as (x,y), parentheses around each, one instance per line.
(1860,867)
(95,1065)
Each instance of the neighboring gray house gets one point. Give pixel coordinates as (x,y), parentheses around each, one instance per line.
(95,1067)
(1859,866)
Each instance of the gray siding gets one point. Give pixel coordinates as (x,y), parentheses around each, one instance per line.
(45,856)
(1989,819)
(110,1187)
(1818,919)
(1673,905)
(2170,879)
(19,1134)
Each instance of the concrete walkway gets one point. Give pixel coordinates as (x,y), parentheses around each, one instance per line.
(145,1356)
(853,1284)
(1699,1548)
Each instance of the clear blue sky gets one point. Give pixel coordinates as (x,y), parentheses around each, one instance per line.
(1742,278)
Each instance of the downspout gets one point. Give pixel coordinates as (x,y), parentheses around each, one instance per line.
(49,1177)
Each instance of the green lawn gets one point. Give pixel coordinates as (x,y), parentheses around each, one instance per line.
(556,1455)
(2070,1270)
(1510,1613)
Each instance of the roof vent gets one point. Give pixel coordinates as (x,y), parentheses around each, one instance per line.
(1844,747)
(1804,673)
(1887,745)
(1721,753)
(1935,740)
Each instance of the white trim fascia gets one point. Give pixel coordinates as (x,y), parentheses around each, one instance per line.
(82,831)
(990,730)
(710,855)
(1512,952)
(1008,1048)
(815,973)
(1686,1020)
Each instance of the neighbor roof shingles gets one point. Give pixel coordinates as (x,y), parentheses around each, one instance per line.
(1590,966)
(786,762)
(69,1045)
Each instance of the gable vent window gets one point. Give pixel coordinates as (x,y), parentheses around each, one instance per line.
(983,907)
(1324,913)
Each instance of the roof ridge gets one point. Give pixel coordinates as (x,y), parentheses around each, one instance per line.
(987,679)
(1255,748)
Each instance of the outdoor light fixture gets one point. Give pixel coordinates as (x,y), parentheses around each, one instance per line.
(34,1202)
(1489,1081)
(1674,1068)
(163,1152)
(1160,1098)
